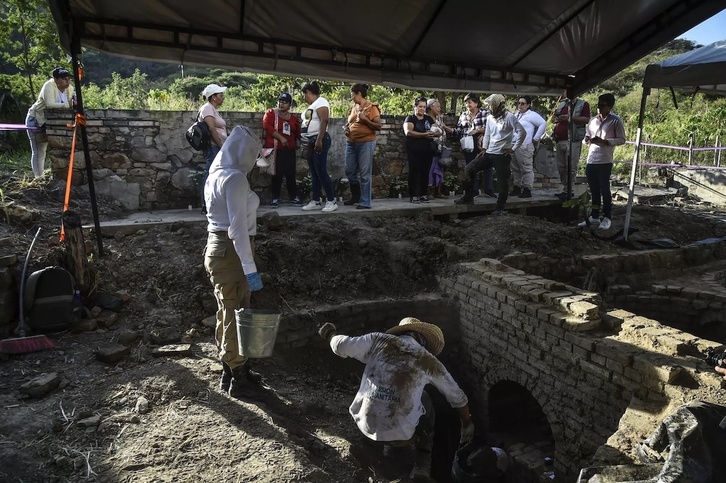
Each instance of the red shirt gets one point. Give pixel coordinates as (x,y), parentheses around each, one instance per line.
(289,128)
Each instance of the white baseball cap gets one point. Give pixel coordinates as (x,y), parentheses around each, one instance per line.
(212,89)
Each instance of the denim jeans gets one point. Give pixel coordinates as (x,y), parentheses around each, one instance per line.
(598,179)
(359,157)
(37,149)
(318,164)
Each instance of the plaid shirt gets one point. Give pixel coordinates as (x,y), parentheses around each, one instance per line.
(479,122)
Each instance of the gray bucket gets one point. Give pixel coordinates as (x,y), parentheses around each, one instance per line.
(256,331)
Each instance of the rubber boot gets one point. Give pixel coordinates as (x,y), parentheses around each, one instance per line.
(226,378)
(526,193)
(252,376)
(242,388)
(422,460)
(354,195)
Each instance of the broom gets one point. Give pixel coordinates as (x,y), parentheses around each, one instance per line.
(23,344)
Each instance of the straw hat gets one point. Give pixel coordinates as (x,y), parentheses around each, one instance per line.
(433,335)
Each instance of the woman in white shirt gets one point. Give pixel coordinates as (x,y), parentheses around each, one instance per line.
(523,159)
(56,93)
(315,130)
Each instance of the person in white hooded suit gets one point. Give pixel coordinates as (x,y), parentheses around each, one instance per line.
(229,254)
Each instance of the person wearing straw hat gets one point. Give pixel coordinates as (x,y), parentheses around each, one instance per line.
(391,405)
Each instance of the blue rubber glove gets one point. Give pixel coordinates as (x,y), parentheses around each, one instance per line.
(254,281)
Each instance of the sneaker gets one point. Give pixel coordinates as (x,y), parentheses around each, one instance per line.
(605,224)
(464,201)
(297,201)
(526,193)
(330,206)
(593,221)
(415,200)
(313,205)
(362,207)
(275,203)
(516,191)
(424,199)
(500,212)
(490,193)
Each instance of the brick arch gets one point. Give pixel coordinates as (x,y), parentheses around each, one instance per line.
(539,390)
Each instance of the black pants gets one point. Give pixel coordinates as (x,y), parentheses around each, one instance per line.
(483,161)
(419,164)
(284,166)
(598,179)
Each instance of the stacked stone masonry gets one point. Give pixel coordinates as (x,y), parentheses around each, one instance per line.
(142,159)
(556,342)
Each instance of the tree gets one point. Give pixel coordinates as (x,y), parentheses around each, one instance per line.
(30,42)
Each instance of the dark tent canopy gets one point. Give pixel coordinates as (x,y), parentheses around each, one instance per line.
(523,46)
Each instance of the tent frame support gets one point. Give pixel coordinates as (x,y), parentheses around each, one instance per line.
(636,158)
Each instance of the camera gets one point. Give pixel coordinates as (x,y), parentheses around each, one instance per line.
(715,357)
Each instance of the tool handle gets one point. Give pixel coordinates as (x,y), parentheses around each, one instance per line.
(21,325)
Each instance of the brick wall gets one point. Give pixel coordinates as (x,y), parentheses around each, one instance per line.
(575,359)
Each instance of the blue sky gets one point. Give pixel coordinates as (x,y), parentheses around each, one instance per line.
(709,31)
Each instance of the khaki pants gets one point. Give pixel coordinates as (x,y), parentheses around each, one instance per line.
(523,166)
(562,147)
(230,290)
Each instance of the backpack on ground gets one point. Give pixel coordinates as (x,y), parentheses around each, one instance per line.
(199,136)
(48,299)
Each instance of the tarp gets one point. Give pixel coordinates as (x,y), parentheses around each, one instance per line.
(518,47)
(702,69)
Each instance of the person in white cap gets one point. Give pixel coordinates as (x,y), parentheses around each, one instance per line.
(229,254)
(56,93)
(391,405)
(214,95)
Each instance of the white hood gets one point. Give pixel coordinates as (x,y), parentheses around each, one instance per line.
(240,151)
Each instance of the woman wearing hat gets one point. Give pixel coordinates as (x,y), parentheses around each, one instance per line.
(214,95)
(56,93)
(391,405)
(472,122)
(282,130)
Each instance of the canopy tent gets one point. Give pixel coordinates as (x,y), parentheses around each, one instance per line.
(700,70)
(540,47)
(518,47)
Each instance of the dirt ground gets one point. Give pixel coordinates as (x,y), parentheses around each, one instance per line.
(163,419)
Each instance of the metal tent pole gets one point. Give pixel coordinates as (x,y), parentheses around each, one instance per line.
(636,155)
(75,52)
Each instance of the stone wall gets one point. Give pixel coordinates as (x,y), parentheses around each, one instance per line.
(142,159)
(554,340)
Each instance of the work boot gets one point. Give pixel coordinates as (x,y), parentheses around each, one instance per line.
(354,195)
(515,191)
(226,378)
(526,193)
(422,460)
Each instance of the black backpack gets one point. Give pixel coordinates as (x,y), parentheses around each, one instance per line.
(199,136)
(48,299)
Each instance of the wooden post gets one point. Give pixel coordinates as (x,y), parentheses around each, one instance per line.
(690,149)
(717,152)
(76,261)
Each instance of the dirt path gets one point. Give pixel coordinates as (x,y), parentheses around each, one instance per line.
(95,426)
